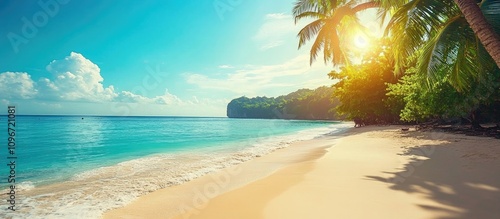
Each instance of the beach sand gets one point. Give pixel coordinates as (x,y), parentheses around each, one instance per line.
(369,172)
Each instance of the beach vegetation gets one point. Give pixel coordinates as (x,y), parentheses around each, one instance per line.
(362,88)
(301,104)
(437,60)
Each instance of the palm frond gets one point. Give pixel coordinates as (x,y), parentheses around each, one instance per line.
(335,19)
(389,4)
(302,6)
(309,31)
(414,23)
(429,61)
(451,55)
(317,45)
(309,14)
(491,11)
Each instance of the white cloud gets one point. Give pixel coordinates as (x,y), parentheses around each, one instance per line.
(278,16)
(272,44)
(76,78)
(274,30)
(195,100)
(225,66)
(275,25)
(168,99)
(129,97)
(76,87)
(17,85)
(253,80)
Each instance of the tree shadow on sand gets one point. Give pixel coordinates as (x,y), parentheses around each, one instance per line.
(465,183)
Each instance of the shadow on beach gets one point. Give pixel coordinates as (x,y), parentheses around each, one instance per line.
(460,175)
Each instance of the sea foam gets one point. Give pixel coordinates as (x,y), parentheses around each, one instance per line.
(89,194)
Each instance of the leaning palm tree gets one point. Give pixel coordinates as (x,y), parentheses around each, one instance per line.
(334,22)
(414,23)
(450,46)
(480,19)
(481,16)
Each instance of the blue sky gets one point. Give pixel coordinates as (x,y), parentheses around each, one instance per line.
(149,57)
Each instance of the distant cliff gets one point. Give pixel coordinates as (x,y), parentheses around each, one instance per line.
(301,104)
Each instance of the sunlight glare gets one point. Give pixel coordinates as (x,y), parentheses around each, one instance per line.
(361,42)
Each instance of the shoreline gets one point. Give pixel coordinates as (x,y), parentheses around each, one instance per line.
(91,192)
(194,195)
(371,172)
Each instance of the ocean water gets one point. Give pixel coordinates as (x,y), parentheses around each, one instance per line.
(79,167)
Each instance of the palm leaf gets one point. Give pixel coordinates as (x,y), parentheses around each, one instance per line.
(491,11)
(302,6)
(451,55)
(317,45)
(414,23)
(309,31)
(309,14)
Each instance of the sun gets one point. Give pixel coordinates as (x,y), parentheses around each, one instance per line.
(361,41)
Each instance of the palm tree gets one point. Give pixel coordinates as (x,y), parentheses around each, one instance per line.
(334,22)
(450,47)
(415,23)
(478,21)
(481,16)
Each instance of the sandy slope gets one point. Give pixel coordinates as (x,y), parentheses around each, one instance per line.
(371,172)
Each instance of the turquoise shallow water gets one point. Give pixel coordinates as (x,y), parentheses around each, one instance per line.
(76,155)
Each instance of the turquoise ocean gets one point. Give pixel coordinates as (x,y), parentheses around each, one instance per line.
(81,166)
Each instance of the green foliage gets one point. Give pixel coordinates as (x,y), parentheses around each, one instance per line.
(444,71)
(301,104)
(450,48)
(440,100)
(361,89)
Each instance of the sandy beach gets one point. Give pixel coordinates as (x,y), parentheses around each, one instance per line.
(369,172)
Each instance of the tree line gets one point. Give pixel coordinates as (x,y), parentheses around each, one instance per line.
(437,61)
(302,104)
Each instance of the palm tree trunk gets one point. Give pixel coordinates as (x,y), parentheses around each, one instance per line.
(483,30)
